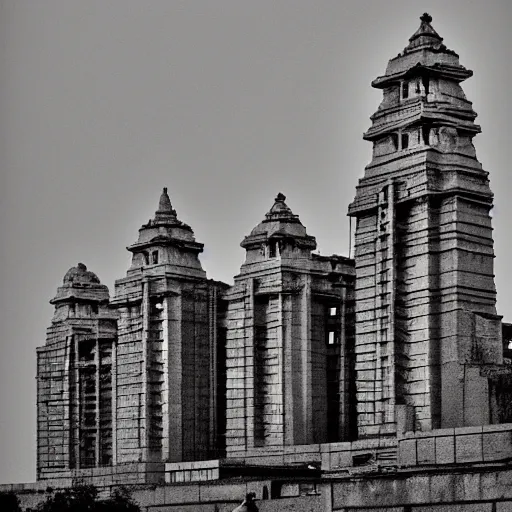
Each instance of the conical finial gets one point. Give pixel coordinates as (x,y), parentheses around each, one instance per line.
(281,198)
(164,205)
(165,210)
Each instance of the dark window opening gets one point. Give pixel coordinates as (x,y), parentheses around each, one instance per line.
(146,258)
(394,140)
(275,490)
(272,249)
(362,459)
(426,135)
(94,308)
(154,256)
(405,140)
(418,89)
(405,90)
(426,84)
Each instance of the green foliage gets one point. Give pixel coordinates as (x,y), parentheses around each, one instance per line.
(9,502)
(84,498)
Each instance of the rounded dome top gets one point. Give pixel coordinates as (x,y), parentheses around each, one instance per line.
(80,275)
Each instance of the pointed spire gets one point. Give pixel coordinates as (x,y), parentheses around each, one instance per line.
(165,210)
(425,35)
(164,205)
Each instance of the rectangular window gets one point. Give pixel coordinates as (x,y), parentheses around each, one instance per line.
(394,140)
(405,140)
(333,311)
(272,250)
(426,135)
(332,338)
(155,257)
(405,90)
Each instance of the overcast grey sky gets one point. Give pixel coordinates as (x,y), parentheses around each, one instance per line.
(225,102)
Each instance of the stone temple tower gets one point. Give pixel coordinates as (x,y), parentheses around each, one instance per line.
(425,317)
(74,378)
(166,359)
(287,365)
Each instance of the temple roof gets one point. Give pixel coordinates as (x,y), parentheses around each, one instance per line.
(165,228)
(424,55)
(166,215)
(81,284)
(280,222)
(425,36)
(80,275)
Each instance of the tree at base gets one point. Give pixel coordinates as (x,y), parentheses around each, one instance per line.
(84,498)
(9,502)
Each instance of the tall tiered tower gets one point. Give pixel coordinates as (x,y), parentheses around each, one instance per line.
(166,358)
(74,378)
(288,372)
(425,316)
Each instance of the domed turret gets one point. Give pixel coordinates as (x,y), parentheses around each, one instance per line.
(82,285)
(81,276)
(281,228)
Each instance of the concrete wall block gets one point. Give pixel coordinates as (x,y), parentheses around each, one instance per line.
(497,445)
(297,504)
(468,448)
(426,451)
(407,452)
(445,450)
(224,492)
(342,459)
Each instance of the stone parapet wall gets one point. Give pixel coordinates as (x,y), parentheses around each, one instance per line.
(365,455)
(488,443)
(486,489)
(131,473)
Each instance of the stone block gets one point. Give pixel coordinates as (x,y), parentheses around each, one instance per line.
(407,455)
(496,428)
(504,506)
(340,459)
(225,492)
(472,486)
(488,487)
(468,448)
(326,461)
(445,450)
(442,488)
(426,450)
(497,445)
(177,494)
